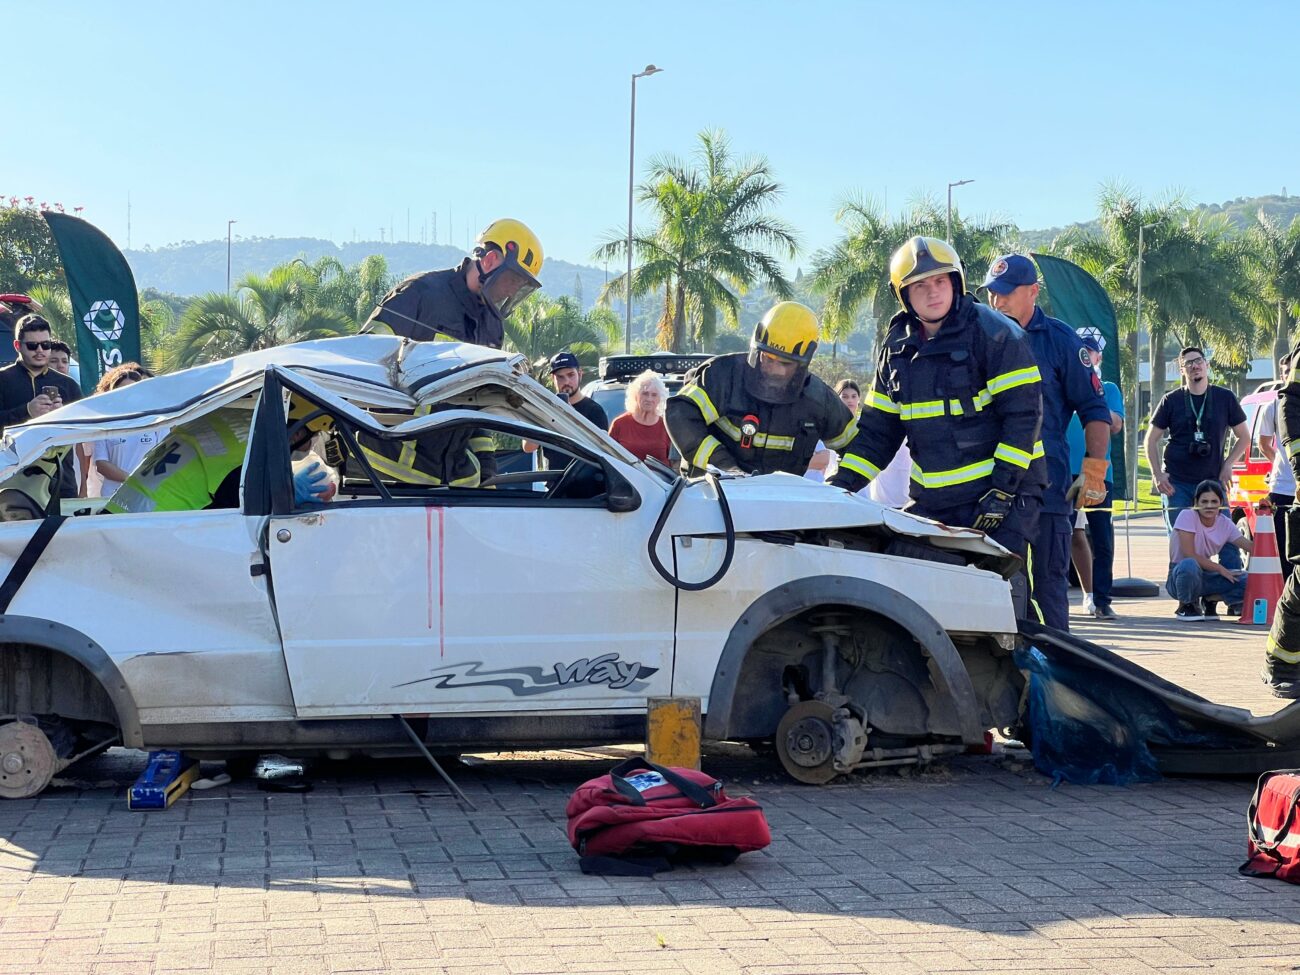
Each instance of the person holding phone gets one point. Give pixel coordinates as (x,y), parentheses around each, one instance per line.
(29,388)
(1202,533)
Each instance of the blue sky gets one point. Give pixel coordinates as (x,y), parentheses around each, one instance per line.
(333,119)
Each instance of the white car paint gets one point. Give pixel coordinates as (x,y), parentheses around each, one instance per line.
(429,608)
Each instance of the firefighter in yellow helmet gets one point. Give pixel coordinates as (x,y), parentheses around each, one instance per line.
(761,411)
(959,382)
(467,303)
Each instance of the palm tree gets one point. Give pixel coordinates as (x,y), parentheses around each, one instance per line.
(1272,258)
(541,327)
(265,311)
(853,275)
(713,240)
(1193,281)
(353,291)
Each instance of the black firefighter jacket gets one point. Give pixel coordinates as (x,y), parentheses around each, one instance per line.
(436,306)
(968,401)
(706,416)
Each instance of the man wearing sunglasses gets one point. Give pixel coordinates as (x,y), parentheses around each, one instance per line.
(29,388)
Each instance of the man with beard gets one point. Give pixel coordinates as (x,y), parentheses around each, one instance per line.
(959,381)
(761,411)
(566,377)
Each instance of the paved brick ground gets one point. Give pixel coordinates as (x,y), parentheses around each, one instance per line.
(978,866)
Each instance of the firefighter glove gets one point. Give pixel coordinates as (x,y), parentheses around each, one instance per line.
(1089,488)
(994,506)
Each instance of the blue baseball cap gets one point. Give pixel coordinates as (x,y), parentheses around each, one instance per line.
(1009,272)
(564,360)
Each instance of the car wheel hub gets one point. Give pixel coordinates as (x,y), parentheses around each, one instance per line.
(27,760)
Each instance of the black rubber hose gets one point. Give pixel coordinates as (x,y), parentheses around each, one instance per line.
(728,524)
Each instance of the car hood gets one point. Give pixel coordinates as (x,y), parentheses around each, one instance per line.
(784,502)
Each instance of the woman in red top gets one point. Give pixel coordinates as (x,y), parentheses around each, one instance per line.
(641,429)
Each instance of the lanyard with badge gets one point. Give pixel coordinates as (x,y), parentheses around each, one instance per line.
(1199,447)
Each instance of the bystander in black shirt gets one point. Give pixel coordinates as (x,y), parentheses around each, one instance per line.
(1184,414)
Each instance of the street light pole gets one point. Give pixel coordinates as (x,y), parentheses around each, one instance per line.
(960,182)
(631,178)
(229,224)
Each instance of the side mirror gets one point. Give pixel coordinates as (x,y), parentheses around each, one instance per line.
(619,494)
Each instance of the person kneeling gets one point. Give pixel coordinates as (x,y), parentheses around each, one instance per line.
(1202,533)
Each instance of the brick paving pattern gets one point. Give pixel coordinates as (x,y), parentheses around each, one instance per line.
(974,866)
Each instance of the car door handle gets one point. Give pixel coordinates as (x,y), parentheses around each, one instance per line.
(283,535)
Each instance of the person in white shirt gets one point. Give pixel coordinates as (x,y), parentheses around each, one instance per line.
(1281,481)
(115,458)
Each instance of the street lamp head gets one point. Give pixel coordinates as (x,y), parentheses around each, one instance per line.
(649,70)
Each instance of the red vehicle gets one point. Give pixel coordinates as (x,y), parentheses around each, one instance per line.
(1250,474)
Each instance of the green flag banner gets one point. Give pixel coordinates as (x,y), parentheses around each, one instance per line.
(1079,301)
(105,304)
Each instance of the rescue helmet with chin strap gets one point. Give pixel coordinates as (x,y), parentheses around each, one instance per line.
(788,331)
(515,278)
(924,257)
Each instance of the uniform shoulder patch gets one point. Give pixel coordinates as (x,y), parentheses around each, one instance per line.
(1086,358)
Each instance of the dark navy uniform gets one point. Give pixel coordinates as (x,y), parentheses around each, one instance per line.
(1282,660)
(707,416)
(968,402)
(1070,385)
(436,306)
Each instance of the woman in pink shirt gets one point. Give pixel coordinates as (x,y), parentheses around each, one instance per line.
(1196,580)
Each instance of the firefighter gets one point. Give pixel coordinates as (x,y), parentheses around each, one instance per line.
(762,411)
(959,382)
(467,303)
(200,465)
(1282,657)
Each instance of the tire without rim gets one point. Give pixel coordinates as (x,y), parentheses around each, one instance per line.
(27,760)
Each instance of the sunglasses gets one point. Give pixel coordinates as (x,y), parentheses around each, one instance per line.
(33,346)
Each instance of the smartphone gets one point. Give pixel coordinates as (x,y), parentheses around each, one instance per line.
(51,392)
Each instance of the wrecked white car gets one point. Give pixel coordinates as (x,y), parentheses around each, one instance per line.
(541,609)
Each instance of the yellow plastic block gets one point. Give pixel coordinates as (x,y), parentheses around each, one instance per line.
(673,731)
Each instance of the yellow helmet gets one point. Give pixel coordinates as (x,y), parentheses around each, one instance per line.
(515,278)
(317,420)
(788,330)
(924,257)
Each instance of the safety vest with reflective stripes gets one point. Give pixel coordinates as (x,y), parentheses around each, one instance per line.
(706,420)
(968,402)
(185,470)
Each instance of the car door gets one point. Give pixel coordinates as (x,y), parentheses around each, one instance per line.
(472,600)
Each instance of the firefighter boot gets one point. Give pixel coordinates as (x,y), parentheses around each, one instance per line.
(1282,678)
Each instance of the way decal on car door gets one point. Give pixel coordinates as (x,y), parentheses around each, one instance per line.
(620,675)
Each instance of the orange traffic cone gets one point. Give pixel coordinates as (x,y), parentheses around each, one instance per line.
(1264,583)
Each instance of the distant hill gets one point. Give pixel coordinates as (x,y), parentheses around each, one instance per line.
(191,268)
(1240,211)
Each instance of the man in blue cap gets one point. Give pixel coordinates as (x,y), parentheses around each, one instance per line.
(1069,386)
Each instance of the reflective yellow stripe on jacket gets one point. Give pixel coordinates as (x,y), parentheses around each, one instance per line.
(700,398)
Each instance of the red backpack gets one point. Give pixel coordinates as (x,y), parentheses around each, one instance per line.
(1273,844)
(643,817)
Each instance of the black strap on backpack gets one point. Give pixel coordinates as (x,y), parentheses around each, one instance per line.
(26,560)
(1257,832)
(699,795)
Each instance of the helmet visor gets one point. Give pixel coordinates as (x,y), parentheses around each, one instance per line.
(506,287)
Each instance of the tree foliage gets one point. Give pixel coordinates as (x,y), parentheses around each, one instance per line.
(541,327)
(714,238)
